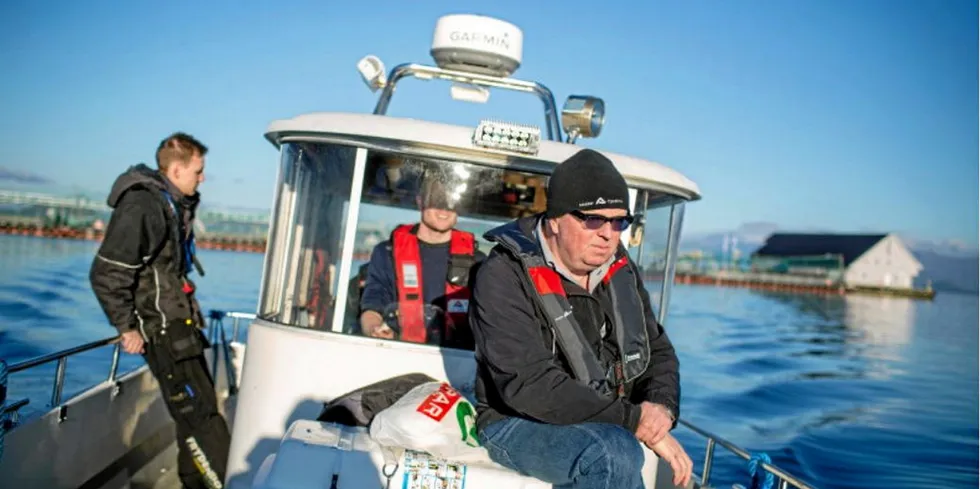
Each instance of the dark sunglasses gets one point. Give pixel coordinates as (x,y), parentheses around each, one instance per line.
(595,221)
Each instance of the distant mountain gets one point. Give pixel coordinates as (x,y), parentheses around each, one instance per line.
(30,183)
(22,177)
(748,238)
(949,247)
(949,273)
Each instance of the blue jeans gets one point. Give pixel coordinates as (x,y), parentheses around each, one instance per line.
(581,456)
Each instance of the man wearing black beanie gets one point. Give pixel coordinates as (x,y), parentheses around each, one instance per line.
(573,370)
(587,181)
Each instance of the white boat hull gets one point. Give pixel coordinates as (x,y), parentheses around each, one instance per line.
(107,440)
(104,441)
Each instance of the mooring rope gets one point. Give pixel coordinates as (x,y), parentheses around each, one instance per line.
(761,478)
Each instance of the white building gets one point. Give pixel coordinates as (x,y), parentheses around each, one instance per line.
(869,260)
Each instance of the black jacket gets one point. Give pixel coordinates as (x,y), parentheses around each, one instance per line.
(517,373)
(139,272)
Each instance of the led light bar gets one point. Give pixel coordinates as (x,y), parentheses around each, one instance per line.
(507,136)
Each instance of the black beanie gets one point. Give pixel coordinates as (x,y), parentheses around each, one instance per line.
(586,181)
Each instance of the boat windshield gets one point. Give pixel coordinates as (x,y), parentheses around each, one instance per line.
(319,246)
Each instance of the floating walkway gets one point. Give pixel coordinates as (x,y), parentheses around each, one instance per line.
(208,242)
(793,283)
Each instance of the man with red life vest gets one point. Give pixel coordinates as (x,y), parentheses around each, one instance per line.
(417,285)
(573,370)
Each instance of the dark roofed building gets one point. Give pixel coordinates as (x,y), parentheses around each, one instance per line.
(850,246)
(874,260)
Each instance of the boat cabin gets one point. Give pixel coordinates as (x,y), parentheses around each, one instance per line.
(347,180)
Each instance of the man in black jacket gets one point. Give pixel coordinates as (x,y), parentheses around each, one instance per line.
(574,372)
(140,277)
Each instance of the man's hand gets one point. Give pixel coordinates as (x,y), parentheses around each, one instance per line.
(383,331)
(654,423)
(372,324)
(132,342)
(670,450)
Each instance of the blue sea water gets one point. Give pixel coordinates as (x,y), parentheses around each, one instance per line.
(845,392)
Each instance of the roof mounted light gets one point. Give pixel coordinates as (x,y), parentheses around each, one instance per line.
(507,136)
(583,115)
(372,72)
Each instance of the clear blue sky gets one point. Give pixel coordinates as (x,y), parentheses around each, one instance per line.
(829,114)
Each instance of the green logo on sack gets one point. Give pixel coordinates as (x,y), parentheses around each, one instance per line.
(466,417)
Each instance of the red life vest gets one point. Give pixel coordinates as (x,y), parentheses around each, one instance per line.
(547,281)
(628,321)
(319,300)
(408,278)
(548,284)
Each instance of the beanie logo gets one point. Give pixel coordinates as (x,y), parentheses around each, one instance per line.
(600,201)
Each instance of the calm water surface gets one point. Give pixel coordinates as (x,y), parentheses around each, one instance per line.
(847,392)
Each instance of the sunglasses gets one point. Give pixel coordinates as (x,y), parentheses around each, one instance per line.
(594,221)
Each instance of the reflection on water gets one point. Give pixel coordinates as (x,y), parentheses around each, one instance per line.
(849,391)
(852,391)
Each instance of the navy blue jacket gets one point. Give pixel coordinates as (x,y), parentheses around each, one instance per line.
(380,287)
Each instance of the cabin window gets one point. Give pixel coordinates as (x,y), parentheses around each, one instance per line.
(394,188)
(320,247)
(315,259)
(308,224)
(653,244)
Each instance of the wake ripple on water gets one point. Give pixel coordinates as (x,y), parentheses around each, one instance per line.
(24,310)
(828,383)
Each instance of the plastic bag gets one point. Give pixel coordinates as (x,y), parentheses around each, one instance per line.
(433,418)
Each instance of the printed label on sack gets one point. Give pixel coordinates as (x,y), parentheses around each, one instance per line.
(439,402)
(423,471)
(466,418)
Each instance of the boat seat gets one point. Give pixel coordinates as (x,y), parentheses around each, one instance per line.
(311,453)
(315,454)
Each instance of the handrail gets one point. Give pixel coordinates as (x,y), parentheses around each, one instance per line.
(14,406)
(62,356)
(785,479)
(552,127)
(58,355)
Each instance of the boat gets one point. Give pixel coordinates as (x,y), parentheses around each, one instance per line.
(302,348)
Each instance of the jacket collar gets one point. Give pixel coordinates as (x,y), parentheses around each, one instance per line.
(595,276)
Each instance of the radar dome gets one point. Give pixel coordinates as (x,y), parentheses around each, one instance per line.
(477,44)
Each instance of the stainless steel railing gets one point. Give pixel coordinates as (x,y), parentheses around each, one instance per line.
(216,330)
(220,343)
(62,358)
(783,479)
(552,126)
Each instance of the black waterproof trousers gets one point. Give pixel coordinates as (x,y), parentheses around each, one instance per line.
(188,390)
